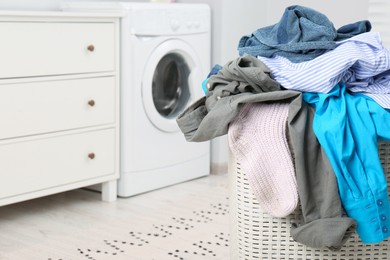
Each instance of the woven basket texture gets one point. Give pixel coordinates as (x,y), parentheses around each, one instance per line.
(256,235)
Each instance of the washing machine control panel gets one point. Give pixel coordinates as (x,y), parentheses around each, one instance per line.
(153,19)
(170,21)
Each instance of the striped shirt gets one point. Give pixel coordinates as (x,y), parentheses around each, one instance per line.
(361,62)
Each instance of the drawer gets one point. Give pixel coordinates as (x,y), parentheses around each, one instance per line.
(46,163)
(57,48)
(48,106)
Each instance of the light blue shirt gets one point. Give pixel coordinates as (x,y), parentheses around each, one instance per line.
(348,127)
(361,62)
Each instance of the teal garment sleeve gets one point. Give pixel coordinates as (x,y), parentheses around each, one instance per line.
(348,127)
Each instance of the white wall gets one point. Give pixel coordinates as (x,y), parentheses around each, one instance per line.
(340,12)
(378,13)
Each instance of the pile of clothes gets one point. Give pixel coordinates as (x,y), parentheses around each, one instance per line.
(304,106)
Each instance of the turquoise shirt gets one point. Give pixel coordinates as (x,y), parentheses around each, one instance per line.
(348,126)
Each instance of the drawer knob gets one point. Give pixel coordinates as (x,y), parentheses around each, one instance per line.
(91,102)
(91,48)
(91,156)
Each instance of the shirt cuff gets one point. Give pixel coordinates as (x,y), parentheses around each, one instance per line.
(372,216)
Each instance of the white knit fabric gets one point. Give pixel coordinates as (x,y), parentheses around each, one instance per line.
(257,138)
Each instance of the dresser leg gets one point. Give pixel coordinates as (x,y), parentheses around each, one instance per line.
(109,191)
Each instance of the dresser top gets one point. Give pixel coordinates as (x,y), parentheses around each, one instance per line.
(6,15)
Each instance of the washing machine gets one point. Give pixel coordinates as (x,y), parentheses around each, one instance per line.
(165,55)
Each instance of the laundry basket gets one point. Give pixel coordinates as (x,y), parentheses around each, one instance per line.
(256,235)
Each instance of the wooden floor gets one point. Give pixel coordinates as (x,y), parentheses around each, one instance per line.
(184,221)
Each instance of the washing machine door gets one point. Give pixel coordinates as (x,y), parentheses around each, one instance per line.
(171,74)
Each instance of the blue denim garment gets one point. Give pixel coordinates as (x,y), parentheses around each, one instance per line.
(348,127)
(301,34)
(213,71)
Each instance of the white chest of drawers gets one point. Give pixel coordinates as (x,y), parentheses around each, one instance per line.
(59,103)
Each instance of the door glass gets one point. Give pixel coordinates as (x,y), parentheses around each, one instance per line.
(170,88)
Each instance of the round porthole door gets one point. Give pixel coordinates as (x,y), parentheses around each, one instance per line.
(170,74)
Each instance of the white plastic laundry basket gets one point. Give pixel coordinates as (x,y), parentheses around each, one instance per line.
(257,235)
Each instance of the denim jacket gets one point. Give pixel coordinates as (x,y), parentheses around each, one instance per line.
(301,34)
